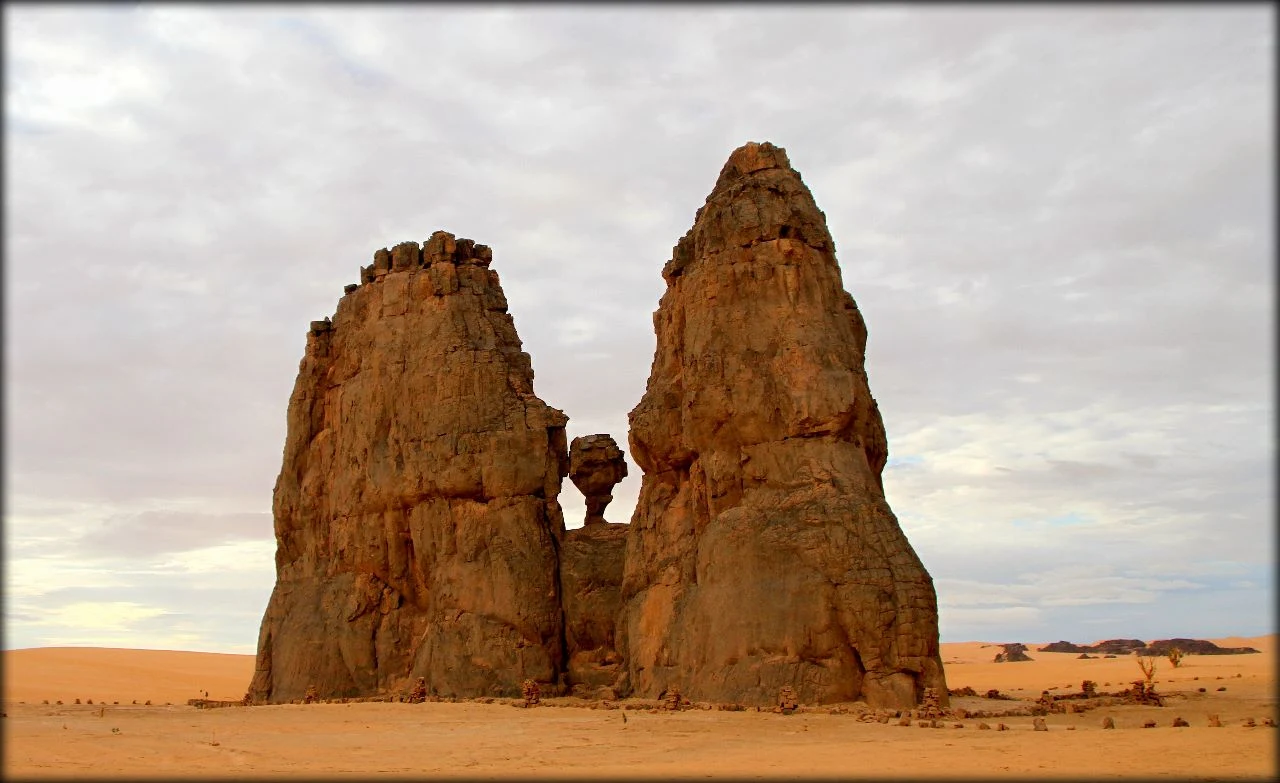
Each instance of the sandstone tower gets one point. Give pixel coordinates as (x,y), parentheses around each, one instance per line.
(762,553)
(416,512)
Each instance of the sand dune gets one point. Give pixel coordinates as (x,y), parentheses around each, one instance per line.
(107,674)
(469,739)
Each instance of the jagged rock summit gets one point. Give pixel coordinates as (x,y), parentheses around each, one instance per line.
(762,553)
(416,512)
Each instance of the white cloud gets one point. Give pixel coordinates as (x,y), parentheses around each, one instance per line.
(88,617)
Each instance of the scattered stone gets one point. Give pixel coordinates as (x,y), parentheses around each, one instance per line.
(1001,727)
(957,725)
(1089,688)
(1214,721)
(1201,690)
(1222,688)
(531,693)
(1144,692)
(1150,724)
(930,704)
(311,697)
(1249,723)
(672,699)
(905,720)
(786,701)
(1108,723)
(965,691)
(983,727)
(1268,722)
(1039,725)
(419,693)
(1179,723)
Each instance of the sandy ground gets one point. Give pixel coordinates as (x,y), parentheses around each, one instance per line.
(496,740)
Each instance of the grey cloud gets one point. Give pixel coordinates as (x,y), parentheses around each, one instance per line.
(152,533)
(1037,211)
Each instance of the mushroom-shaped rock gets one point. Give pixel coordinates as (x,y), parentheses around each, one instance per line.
(596,465)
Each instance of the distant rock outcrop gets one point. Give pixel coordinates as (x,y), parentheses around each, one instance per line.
(762,553)
(416,512)
(1157,648)
(1012,653)
(1194,647)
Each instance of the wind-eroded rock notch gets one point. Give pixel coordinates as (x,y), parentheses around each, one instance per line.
(416,513)
(762,553)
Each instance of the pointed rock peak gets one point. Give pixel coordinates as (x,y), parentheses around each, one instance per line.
(752,157)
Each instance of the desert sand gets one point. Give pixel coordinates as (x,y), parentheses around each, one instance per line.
(470,739)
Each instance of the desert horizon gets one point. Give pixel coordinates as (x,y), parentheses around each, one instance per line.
(570,737)
(855,329)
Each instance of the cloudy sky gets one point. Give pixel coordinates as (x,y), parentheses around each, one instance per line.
(1056,222)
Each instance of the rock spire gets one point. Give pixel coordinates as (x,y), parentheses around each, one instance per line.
(762,553)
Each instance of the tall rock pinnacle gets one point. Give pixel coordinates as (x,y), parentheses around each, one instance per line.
(762,553)
(416,512)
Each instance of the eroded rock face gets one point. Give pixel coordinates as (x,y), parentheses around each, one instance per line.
(591,566)
(416,511)
(762,553)
(596,465)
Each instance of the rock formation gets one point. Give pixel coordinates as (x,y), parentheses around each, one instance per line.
(596,465)
(1012,653)
(591,566)
(762,553)
(591,559)
(416,511)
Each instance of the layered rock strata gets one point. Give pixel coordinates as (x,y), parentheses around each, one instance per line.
(762,553)
(416,511)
